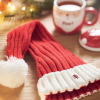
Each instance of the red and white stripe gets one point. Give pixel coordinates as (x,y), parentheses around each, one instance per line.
(68,80)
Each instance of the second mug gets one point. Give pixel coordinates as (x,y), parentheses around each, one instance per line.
(69,16)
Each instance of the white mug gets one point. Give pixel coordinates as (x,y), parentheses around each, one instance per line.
(69,21)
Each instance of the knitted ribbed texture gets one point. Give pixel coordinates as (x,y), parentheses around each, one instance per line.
(63,75)
(50,56)
(18,40)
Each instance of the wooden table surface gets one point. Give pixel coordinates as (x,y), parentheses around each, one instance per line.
(29,90)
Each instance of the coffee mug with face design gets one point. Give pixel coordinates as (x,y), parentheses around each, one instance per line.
(70,19)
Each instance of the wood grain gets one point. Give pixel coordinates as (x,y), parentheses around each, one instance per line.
(29,90)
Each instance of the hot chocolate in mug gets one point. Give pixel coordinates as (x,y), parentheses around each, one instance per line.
(69,16)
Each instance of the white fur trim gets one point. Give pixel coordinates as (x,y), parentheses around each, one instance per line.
(73,78)
(13,72)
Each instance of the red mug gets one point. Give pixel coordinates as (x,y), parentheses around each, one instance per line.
(71,21)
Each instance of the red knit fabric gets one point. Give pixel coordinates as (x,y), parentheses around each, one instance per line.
(50,56)
(18,40)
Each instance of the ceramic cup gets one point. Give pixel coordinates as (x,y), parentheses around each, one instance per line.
(69,21)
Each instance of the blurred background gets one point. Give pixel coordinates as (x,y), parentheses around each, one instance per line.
(18,10)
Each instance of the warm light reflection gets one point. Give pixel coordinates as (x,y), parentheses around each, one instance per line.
(0,12)
(13,7)
(23,8)
(9,4)
(31,10)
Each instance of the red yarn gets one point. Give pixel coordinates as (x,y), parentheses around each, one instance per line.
(50,56)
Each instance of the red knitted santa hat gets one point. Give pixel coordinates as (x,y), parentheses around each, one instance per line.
(62,75)
(13,71)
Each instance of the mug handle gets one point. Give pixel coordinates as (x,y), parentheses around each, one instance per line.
(95,12)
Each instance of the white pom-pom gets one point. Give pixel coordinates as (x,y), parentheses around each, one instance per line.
(13,72)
